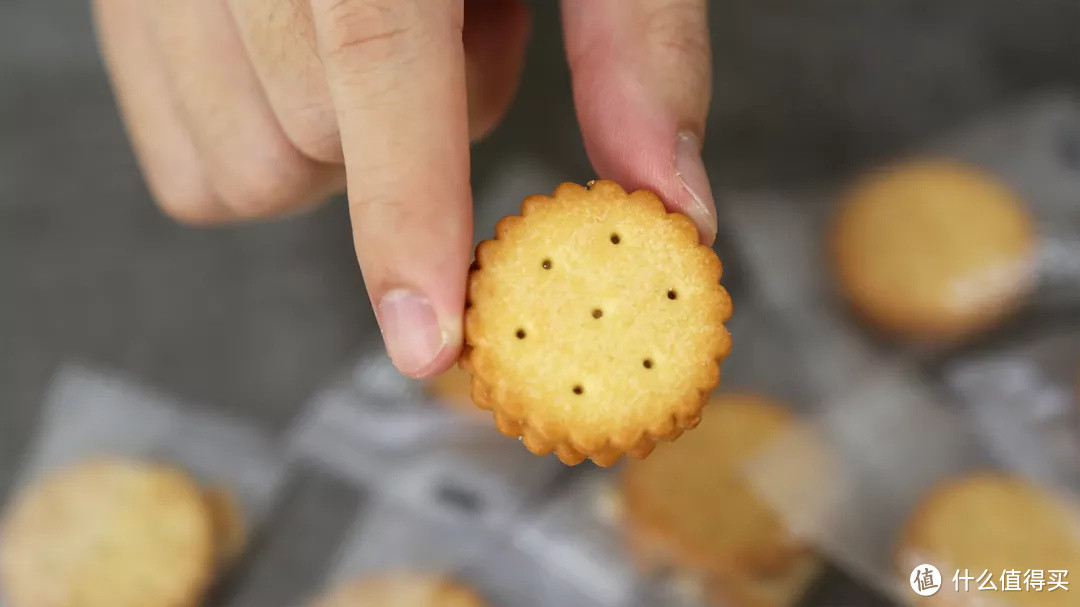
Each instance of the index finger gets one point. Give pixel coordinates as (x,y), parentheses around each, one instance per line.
(642,81)
(396,73)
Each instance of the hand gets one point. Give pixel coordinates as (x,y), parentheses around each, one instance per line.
(252,108)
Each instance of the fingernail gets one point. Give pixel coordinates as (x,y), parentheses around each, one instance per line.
(698,203)
(410,330)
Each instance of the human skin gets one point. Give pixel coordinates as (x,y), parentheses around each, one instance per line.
(254,108)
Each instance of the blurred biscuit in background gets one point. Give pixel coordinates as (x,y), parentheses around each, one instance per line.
(452,388)
(690,506)
(230,528)
(402,590)
(782,589)
(932,249)
(108,533)
(992,522)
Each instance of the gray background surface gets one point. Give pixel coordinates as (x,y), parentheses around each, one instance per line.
(253,318)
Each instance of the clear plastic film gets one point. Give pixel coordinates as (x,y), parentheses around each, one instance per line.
(290,564)
(90,413)
(576,536)
(568,551)
(1024,396)
(580,536)
(787,236)
(784,239)
(378,430)
(392,537)
(1034,148)
(456,498)
(382,409)
(888,439)
(902,421)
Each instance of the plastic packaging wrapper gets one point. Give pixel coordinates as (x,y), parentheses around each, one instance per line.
(444,494)
(89,413)
(897,419)
(1035,149)
(579,536)
(567,552)
(1025,398)
(309,526)
(890,439)
(377,429)
(575,536)
(782,240)
(782,235)
(448,495)
(391,536)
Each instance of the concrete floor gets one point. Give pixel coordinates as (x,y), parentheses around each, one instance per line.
(253,318)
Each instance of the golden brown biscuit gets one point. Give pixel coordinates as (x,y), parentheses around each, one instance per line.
(595,323)
(230,529)
(108,533)
(402,590)
(992,522)
(452,388)
(933,250)
(689,504)
(782,589)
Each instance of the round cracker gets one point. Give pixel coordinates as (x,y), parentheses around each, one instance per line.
(994,522)
(108,533)
(402,590)
(933,249)
(595,323)
(689,502)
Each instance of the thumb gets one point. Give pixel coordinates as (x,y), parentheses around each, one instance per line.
(642,72)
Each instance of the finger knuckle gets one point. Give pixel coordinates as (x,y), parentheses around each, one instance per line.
(313,130)
(186,202)
(677,34)
(259,189)
(250,198)
(367,30)
(322,145)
